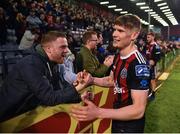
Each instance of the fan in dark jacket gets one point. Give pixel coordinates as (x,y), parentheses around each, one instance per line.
(35,79)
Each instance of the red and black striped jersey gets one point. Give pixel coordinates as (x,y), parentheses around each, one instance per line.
(130,73)
(153,52)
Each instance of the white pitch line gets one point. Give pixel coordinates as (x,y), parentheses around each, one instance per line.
(158,86)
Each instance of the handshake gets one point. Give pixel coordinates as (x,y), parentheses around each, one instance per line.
(83,80)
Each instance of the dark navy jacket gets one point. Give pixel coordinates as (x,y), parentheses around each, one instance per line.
(34,81)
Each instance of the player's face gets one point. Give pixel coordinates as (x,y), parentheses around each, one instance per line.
(150,38)
(121,37)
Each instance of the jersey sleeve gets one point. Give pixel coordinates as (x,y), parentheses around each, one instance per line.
(139,76)
(156,53)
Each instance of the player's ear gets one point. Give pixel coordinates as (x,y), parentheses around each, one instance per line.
(134,35)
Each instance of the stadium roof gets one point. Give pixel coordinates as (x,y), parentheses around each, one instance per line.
(162,12)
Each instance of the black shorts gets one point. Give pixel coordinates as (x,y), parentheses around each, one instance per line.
(134,126)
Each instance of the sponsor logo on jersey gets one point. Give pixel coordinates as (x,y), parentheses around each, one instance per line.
(142,70)
(118,90)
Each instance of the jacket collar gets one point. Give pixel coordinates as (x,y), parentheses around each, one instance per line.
(43,54)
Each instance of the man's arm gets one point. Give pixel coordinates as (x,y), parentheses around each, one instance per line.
(43,89)
(134,111)
(105,81)
(91,64)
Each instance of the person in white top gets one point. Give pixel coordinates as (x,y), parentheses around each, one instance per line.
(67,68)
(28,38)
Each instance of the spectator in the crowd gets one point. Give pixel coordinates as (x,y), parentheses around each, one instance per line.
(50,20)
(44,24)
(111,50)
(177,44)
(3,27)
(165,46)
(161,45)
(33,20)
(20,27)
(59,24)
(87,58)
(153,55)
(29,38)
(100,50)
(107,34)
(130,79)
(11,13)
(35,79)
(72,43)
(141,44)
(49,6)
(57,10)
(68,68)
(22,8)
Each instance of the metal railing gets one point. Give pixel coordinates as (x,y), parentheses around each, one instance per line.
(167,60)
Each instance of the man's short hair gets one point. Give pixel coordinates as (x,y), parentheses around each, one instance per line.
(51,36)
(87,36)
(151,33)
(98,33)
(129,21)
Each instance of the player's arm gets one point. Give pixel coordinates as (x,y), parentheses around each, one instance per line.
(139,85)
(134,111)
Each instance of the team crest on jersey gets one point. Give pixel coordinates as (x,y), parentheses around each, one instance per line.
(142,70)
(124,73)
(144,83)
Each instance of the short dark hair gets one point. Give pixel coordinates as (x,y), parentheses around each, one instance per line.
(129,21)
(151,33)
(51,36)
(88,35)
(98,33)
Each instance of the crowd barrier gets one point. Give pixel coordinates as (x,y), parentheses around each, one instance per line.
(166,60)
(58,119)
